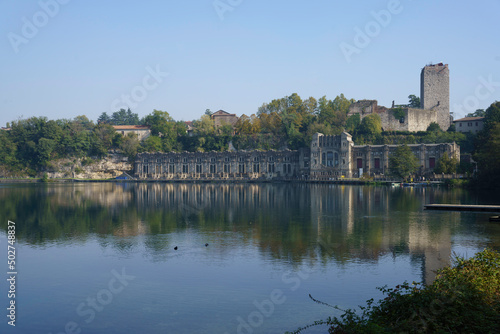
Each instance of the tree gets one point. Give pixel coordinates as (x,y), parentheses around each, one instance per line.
(152,144)
(104,118)
(208,112)
(129,145)
(371,125)
(492,116)
(446,164)
(352,123)
(488,157)
(205,126)
(123,117)
(403,162)
(434,127)
(414,101)
(477,113)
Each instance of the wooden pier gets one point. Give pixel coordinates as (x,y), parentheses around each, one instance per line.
(460,207)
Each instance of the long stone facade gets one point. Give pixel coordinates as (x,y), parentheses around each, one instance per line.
(329,157)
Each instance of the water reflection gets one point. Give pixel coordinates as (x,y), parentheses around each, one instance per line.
(289,223)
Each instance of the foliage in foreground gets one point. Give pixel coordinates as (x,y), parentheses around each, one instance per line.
(464,298)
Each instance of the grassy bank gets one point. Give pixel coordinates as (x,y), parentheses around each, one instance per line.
(464,298)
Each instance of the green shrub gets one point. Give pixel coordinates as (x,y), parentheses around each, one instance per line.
(464,298)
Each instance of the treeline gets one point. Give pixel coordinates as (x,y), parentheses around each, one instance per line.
(288,122)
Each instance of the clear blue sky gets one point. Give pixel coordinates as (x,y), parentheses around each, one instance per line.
(85,55)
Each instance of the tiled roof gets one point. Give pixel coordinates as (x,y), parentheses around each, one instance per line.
(469,119)
(131,127)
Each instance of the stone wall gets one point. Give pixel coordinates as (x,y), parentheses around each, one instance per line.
(435,92)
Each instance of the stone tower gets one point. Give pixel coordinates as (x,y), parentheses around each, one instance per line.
(435,92)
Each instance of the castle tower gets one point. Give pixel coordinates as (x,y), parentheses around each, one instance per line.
(435,92)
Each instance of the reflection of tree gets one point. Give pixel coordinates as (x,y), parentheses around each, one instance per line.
(287,222)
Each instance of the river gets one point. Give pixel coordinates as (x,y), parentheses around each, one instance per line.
(221,258)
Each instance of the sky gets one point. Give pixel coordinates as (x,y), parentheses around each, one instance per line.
(65,58)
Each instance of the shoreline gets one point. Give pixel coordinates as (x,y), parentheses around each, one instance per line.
(212,181)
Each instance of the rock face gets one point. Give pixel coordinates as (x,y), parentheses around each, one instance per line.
(111,166)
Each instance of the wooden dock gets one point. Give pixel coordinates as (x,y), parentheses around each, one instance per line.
(460,207)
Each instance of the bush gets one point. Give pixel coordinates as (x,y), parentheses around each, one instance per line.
(464,298)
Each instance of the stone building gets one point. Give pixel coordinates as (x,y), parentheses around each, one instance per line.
(469,124)
(434,104)
(222,117)
(328,157)
(285,164)
(142,131)
(337,156)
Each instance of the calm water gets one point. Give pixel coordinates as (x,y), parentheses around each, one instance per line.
(100,258)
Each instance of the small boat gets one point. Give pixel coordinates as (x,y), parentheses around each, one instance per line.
(495,219)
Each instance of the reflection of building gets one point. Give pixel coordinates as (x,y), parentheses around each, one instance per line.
(328,157)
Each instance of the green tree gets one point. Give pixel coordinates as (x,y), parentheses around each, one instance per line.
(45,149)
(129,145)
(402,162)
(446,164)
(477,113)
(371,126)
(488,157)
(205,126)
(104,118)
(492,116)
(152,144)
(7,150)
(434,127)
(353,123)
(414,101)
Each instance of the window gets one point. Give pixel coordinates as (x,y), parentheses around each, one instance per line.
(227,168)
(212,169)
(377,163)
(241,168)
(185,169)
(198,160)
(270,168)
(171,169)
(255,159)
(329,159)
(336,159)
(460,124)
(271,159)
(198,169)
(241,159)
(323,159)
(184,160)
(145,169)
(212,160)
(256,168)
